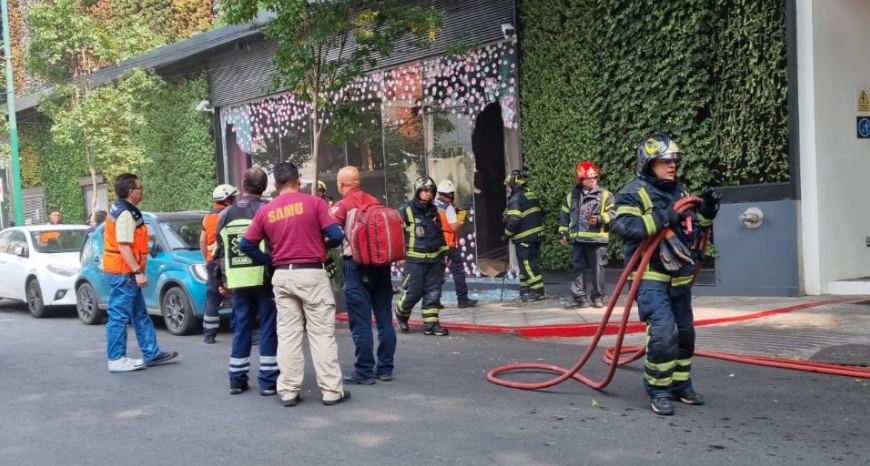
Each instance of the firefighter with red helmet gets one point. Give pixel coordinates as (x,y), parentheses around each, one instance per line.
(586,212)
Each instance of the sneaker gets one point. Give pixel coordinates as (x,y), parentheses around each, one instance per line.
(688,396)
(291,402)
(209,339)
(356,380)
(163,358)
(385,377)
(237,386)
(467,303)
(268,391)
(403,323)
(662,406)
(436,329)
(125,365)
(598,302)
(344,396)
(581,303)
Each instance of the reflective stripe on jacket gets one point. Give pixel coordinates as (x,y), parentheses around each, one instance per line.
(524,221)
(113,262)
(576,207)
(424,237)
(449,234)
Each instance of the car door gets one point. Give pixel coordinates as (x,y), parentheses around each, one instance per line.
(153,266)
(17,265)
(5,282)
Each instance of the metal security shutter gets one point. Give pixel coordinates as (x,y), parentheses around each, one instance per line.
(33,203)
(245,73)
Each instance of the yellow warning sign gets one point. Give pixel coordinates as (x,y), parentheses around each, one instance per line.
(863,102)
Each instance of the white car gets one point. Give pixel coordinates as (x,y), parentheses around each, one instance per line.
(39,264)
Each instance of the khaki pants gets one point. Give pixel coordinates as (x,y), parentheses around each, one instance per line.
(306,305)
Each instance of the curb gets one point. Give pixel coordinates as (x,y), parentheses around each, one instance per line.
(588,330)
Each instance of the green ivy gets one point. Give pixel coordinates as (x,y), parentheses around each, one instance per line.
(596,75)
(61,167)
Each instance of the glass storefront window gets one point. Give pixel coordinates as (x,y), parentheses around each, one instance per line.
(404,154)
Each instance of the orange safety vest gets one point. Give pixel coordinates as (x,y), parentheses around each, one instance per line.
(449,234)
(113,262)
(209,226)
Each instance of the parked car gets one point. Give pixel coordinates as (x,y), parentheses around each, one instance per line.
(38,265)
(175,269)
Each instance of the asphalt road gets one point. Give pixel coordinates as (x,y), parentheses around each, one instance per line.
(60,406)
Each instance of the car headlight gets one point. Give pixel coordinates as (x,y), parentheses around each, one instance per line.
(199,272)
(62,270)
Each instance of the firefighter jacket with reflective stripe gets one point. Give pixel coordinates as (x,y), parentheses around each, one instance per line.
(424,237)
(449,234)
(209,226)
(237,268)
(524,221)
(641,212)
(113,262)
(577,207)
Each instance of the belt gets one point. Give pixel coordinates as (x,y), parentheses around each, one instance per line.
(310,265)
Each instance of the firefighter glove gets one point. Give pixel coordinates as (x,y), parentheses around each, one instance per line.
(710,204)
(674,253)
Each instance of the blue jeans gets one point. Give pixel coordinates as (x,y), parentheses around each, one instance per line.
(126,304)
(369,290)
(247,304)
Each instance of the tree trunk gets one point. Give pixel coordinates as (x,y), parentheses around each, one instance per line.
(317,128)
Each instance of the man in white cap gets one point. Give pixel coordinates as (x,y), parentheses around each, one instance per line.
(451,223)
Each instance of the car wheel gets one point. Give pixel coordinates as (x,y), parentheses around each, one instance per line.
(88,306)
(178,312)
(35,304)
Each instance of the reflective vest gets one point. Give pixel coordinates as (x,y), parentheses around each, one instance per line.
(113,262)
(449,234)
(209,226)
(241,271)
(424,239)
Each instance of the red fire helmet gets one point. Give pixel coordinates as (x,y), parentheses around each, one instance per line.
(586,169)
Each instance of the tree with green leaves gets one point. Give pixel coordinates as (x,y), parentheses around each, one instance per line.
(67,45)
(326,45)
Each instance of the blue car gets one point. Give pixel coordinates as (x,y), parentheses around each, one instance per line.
(175,269)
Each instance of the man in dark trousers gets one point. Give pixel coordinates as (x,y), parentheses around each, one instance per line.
(586,212)
(368,290)
(425,257)
(451,223)
(524,223)
(223,196)
(251,291)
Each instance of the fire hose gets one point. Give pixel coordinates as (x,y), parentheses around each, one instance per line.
(613,355)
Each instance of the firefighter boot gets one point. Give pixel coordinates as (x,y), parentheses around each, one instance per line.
(402,321)
(524,294)
(688,396)
(537,295)
(435,329)
(662,406)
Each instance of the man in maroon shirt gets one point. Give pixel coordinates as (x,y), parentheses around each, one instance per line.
(295,225)
(368,290)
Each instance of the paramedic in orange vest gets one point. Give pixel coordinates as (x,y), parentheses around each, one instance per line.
(451,224)
(223,196)
(125,252)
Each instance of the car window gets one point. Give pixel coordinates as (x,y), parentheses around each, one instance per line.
(56,241)
(17,239)
(182,234)
(4,240)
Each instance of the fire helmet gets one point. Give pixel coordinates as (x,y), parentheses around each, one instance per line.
(656,146)
(424,182)
(586,169)
(223,192)
(515,179)
(446,187)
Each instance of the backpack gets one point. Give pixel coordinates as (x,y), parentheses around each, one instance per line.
(377,237)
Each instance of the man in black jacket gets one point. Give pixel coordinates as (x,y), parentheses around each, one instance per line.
(524,224)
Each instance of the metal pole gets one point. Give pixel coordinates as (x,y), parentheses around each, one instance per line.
(13,123)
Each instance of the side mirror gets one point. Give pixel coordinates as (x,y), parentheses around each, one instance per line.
(153,249)
(20,251)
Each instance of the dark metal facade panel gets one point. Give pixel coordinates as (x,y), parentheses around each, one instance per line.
(245,73)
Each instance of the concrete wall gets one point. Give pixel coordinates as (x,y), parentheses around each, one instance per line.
(761,261)
(833,64)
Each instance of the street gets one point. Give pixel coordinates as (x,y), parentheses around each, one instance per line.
(60,406)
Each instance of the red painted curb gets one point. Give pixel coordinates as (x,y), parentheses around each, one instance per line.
(588,330)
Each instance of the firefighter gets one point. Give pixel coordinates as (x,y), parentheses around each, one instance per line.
(451,222)
(644,207)
(223,196)
(426,254)
(586,211)
(524,224)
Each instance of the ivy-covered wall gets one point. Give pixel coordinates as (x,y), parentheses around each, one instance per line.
(596,75)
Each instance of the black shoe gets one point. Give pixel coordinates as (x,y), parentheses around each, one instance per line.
(662,406)
(467,303)
(237,387)
(385,377)
(163,358)
(598,302)
(209,339)
(291,402)
(581,303)
(537,296)
(353,379)
(436,329)
(403,323)
(268,391)
(344,396)
(688,396)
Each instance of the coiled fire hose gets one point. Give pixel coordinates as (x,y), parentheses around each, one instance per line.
(612,355)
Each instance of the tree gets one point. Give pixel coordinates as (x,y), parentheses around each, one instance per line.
(325,45)
(67,45)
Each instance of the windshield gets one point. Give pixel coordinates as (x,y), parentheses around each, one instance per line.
(56,241)
(182,234)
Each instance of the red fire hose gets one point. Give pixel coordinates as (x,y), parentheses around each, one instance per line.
(643,254)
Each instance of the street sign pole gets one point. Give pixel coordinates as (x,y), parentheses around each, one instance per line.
(13,124)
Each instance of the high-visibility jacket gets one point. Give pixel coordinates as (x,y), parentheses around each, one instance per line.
(576,207)
(524,221)
(209,226)
(113,262)
(641,211)
(449,234)
(238,268)
(424,237)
